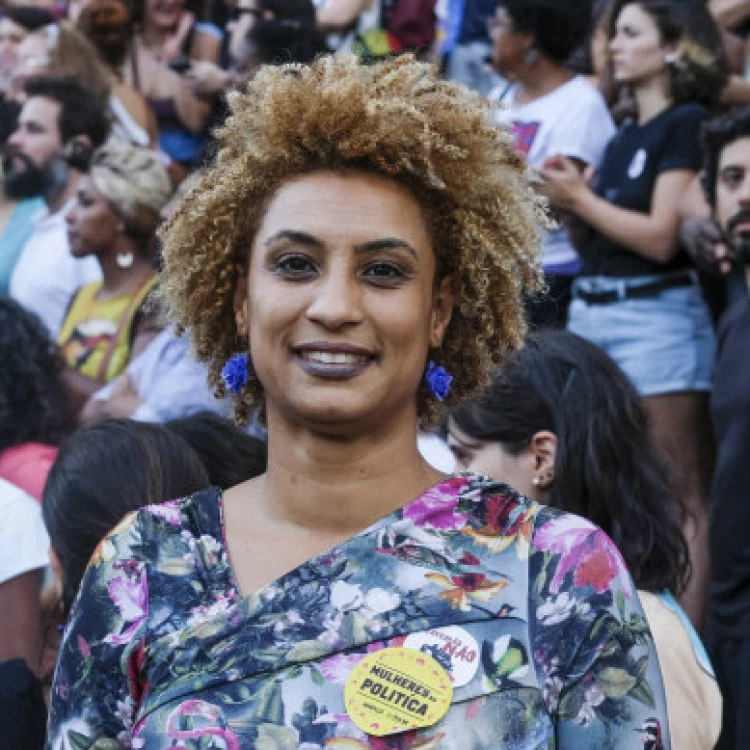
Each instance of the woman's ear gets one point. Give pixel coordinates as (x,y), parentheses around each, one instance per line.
(443,302)
(239,303)
(543,446)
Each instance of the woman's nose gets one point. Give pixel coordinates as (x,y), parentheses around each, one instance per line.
(337,301)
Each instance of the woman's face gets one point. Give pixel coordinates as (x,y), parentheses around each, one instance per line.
(164,14)
(33,58)
(92,227)
(11,36)
(508,46)
(341,304)
(490,458)
(637,50)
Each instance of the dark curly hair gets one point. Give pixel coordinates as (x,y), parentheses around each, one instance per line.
(558,26)
(607,467)
(396,119)
(717,134)
(33,403)
(700,69)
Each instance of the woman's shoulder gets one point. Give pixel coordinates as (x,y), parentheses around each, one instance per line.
(686,113)
(199,512)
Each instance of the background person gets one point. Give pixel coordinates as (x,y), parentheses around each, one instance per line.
(35,413)
(563,424)
(726,179)
(551,111)
(638,296)
(58,128)
(351,242)
(114,220)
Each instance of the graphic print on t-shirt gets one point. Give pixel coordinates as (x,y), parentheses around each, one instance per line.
(525,133)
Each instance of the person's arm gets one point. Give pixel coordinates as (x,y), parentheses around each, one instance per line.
(96,684)
(593,644)
(654,235)
(21,621)
(340,14)
(79,387)
(206,46)
(729,13)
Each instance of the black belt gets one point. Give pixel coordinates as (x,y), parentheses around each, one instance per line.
(634,290)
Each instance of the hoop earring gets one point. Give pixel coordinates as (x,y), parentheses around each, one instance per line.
(531,56)
(124,260)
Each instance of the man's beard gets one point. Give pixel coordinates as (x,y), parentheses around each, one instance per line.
(740,243)
(30,180)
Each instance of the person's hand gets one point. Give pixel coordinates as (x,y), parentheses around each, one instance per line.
(702,239)
(563,183)
(206,78)
(173,46)
(122,403)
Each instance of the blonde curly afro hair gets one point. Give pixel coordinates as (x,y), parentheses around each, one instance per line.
(396,119)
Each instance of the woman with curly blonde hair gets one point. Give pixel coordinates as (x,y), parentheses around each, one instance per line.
(357,254)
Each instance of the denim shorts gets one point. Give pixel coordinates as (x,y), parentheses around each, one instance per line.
(664,344)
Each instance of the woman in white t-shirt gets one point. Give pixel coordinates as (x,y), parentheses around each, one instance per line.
(24,547)
(551,111)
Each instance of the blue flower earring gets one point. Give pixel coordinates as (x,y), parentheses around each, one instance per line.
(438,380)
(234,373)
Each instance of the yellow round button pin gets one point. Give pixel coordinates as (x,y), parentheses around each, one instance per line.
(397,689)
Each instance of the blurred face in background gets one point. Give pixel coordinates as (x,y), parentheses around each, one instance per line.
(733,191)
(33,59)
(33,148)
(164,14)
(508,46)
(636,48)
(92,225)
(11,36)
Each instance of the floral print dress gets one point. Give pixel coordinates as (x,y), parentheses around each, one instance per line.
(161,651)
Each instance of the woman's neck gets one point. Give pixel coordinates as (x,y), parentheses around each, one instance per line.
(154,38)
(117,280)
(651,99)
(541,79)
(341,485)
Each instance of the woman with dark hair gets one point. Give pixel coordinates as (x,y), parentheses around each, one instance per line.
(35,412)
(34,418)
(564,425)
(551,110)
(114,219)
(639,296)
(230,455)
(168,36)
(101,474)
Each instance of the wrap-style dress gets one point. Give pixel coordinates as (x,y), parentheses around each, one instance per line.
(530,611)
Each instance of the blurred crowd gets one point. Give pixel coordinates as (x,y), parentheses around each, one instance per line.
(634,121)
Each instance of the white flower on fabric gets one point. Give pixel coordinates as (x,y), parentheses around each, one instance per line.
(551,693)
(379,601)
(346,596)
(593,696)
(556,610)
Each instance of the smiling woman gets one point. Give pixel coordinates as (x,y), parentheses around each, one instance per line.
(363,228)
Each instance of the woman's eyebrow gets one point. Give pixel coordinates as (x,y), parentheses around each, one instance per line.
(386,243)
(293,235)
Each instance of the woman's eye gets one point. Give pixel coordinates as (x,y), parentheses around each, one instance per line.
(384,273)
(295,266)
